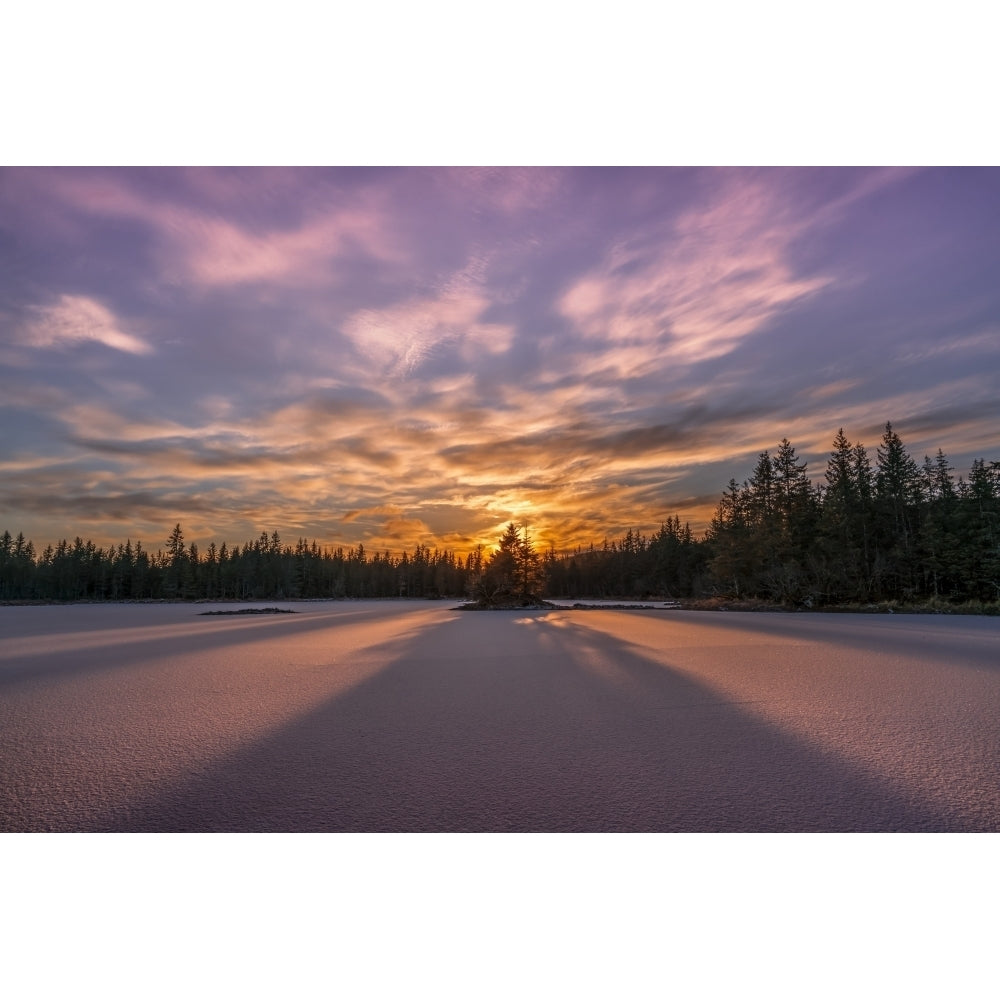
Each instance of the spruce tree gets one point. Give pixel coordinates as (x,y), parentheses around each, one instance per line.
(897,499)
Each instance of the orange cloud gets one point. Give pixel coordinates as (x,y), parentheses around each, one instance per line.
(390,510)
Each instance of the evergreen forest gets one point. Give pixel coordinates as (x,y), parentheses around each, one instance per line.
(874,529)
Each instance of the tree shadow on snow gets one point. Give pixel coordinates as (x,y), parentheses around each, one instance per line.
(545,729)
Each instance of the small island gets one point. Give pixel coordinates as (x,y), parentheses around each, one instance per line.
(251,611)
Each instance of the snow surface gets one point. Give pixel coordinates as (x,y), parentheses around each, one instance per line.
(407,716)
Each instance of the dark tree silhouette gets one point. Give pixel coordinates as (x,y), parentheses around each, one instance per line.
(889,532)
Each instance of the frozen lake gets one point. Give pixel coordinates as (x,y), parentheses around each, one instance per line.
(409,716)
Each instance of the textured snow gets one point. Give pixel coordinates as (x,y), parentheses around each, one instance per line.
(407,716)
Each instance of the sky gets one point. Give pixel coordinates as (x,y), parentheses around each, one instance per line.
(405,356)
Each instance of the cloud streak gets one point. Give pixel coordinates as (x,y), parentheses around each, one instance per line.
(695,287)
(76,319)
(398,339)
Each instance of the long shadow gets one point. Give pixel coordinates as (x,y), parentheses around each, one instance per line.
(900,634)
(548,730)
(205,634)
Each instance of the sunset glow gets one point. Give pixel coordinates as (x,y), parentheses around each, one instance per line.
(397,357)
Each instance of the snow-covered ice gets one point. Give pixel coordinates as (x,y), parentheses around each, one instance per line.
(406,716)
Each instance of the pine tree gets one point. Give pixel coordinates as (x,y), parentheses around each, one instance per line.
(897,500)
(796,514)
(729,534)
(176,563)
(513,571)
(843,522)
(978,558)
(938,541)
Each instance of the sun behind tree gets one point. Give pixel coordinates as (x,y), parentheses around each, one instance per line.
(513,574)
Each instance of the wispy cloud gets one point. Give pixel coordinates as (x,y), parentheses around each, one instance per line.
(75,319)
(211,245)
(216,252)
(696,286)
(400,337)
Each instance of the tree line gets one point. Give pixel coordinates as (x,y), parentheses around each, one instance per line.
(874,529)
(263,568)
(891,530)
